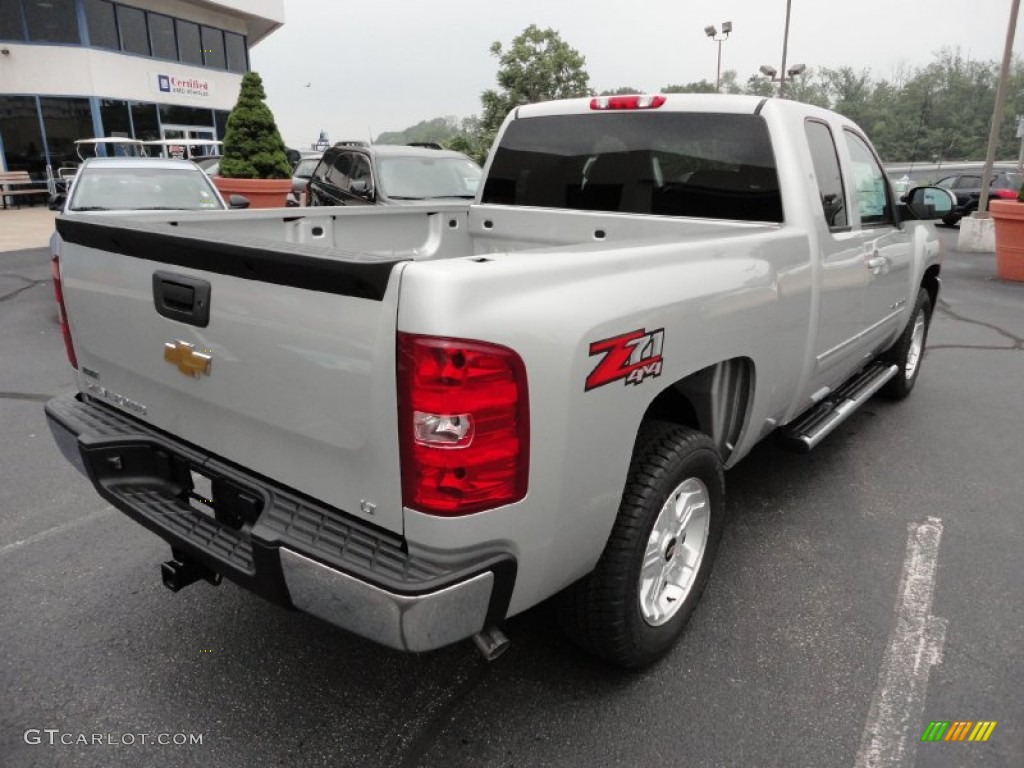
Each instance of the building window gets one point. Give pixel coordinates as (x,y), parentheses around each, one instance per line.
(161,34)
(171,114)
(114,115)
(116,27)
(53,21)
(220,119)
(147,125)
(99,15)
(189,49)
(235,47)
(11,25)
(213,47)
(132,23)
(65,120)
(19,133)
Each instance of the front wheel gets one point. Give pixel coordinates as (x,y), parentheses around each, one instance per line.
(631,608)
(908,351)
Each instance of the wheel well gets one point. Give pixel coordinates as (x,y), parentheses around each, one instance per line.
(930,282)
(713,400)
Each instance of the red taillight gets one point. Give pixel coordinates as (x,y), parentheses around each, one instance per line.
(463,424)
(1005,194)
(627,102)
(58,293)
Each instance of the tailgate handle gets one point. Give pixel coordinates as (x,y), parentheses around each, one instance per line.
(182,298)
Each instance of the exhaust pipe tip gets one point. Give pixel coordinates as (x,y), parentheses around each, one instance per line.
(491,642)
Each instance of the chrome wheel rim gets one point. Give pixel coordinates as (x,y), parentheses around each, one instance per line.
(916,347)
(674,551)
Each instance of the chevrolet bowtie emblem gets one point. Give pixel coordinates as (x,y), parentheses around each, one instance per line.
(184,356)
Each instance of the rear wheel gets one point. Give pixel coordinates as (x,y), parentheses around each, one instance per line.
(908,351)
(631,608)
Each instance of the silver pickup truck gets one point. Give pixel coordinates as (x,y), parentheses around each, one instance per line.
(416,423)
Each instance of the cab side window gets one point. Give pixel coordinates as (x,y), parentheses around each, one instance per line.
(360,171)
(870,186)
(828,173)
(340,169)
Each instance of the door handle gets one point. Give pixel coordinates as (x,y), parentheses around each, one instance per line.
(878,264)
(182,298)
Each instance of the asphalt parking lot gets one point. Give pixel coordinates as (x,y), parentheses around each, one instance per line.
(807,649)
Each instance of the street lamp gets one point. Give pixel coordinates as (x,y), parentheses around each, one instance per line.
(773,74)
(711,32)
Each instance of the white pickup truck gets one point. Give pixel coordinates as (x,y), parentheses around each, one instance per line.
(416,423)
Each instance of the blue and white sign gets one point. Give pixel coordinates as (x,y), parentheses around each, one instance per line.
(196,87)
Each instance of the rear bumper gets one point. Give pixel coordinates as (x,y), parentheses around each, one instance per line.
(276,542)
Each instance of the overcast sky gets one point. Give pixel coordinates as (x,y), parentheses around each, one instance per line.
(357,69)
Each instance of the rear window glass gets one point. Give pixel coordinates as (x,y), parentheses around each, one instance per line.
(672,164)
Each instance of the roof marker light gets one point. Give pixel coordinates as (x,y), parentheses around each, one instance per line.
(627,102)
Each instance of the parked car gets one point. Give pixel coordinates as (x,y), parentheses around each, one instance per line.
(967,188)
(141,184)
(382,174)
(302,173)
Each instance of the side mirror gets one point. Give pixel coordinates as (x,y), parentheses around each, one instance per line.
(237,202)
(56,202)
(360,189)
(926,203)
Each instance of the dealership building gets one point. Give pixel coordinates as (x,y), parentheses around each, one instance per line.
(142,69)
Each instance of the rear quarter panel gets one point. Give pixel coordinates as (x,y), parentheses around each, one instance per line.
(745,294)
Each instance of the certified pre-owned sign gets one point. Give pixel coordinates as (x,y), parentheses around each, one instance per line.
(183,86)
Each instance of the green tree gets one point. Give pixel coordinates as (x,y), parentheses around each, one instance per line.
(758,85)
(537,66)
(624,90)
(700,86)
(469,139)
(253,148)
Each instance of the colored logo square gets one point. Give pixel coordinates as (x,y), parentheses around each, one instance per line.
(164,83)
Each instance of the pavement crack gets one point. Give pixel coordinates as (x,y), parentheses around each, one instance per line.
(944,308)
(986,347)
(29,284)
(435,721)
(31,396)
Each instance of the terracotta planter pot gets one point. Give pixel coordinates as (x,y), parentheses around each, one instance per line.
(262,193)
(1008,216)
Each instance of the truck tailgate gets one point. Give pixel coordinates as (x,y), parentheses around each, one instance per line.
(291,375)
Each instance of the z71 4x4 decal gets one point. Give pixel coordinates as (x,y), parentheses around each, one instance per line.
(631,356)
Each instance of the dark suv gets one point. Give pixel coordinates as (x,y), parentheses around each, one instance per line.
(967,188)
(352,173)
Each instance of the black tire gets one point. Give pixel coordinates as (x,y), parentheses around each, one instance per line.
(951,220)
(902,384)
(602,611)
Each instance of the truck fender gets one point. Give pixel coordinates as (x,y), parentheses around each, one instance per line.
(715,400)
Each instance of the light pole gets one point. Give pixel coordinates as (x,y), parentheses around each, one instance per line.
(773,74)
(711,32)
(785,48)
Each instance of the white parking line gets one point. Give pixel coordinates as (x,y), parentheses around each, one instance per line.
(915,645)
(57,529)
